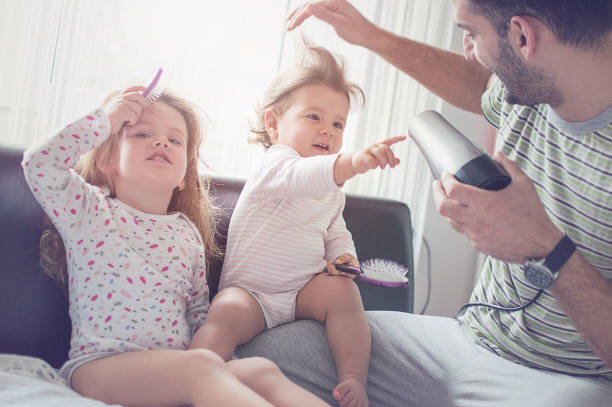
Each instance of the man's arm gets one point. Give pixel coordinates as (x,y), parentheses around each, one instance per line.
(586,298)
(448,75)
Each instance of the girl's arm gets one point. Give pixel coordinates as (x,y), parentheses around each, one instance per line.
(62,193)
(197,309)
(47,165)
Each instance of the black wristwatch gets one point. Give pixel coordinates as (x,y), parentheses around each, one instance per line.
(543,272)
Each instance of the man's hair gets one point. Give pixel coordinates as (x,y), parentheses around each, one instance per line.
(579,23)
(317,67)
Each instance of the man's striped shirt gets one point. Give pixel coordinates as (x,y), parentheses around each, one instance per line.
(570,164)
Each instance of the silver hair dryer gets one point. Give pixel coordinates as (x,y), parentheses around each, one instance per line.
(446,149)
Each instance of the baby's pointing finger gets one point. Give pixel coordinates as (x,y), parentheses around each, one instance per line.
(392,140)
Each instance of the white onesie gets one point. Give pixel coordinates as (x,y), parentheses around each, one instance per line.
(286,225)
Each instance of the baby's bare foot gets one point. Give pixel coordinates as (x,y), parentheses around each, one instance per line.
(351,393)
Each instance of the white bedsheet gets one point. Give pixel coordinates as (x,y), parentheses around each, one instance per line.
(32,382)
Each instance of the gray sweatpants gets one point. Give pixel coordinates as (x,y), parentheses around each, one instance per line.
(423,361)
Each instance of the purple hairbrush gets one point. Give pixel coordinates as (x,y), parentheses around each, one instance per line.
(382,272)
(155,88)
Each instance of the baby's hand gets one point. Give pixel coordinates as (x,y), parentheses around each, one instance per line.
(376,155)
(345,258)
(126,108)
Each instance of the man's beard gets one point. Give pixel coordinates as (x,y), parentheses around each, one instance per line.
(524,85)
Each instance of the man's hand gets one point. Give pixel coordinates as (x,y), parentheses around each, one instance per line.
(349,24)
(126,108)
(345,258)
(510,225)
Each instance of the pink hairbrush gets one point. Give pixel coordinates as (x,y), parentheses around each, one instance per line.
(155,88)
(378,272)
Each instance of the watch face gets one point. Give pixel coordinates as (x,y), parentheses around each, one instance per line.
(539,275)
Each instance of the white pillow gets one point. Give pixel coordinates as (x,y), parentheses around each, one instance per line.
(31,382)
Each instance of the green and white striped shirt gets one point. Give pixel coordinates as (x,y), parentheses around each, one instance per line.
(570,164)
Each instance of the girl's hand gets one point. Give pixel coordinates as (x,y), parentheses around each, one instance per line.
(345,258)
(126,108)
(377,155)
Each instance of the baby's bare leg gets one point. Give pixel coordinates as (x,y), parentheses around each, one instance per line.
(267,380)
(164,378)
(234,318)
(335,301)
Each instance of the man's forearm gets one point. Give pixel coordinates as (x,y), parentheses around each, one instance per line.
(447,74)
(586,298)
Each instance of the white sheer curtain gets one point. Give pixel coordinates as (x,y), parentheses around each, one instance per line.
(60,58)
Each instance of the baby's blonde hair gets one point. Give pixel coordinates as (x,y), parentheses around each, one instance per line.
(318,67)
(193,200)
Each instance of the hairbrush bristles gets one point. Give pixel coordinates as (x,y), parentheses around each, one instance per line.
(379,272)
(384,272)
(155,88)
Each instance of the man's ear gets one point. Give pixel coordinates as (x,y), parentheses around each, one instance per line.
(271,121)
(523,35)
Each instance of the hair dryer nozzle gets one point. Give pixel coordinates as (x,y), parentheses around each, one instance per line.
(446,149)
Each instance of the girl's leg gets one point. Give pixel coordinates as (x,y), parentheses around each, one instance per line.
(267,380)
(335,301)
(233,318)
(164,378)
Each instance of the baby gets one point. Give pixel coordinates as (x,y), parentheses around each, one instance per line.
(287,227)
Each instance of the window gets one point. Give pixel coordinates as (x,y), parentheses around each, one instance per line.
(62,57)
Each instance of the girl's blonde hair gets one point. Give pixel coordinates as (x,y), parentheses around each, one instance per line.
(193,200)
(318,67)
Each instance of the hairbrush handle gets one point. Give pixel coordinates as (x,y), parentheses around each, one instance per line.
(346,268)
(380,272)
(149,88)
(446,149)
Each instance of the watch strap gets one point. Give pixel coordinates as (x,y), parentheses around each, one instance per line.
(560,254)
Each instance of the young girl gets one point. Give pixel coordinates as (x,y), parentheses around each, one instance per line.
(287,226)
(135,221)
